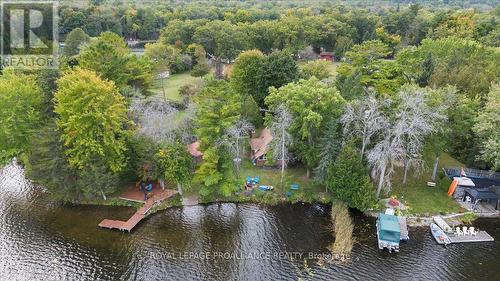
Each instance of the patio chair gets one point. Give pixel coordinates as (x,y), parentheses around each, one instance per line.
(465,231)
(256,179)
(472,231)
(458,231)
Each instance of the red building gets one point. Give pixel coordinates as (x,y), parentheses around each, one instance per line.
(326,56)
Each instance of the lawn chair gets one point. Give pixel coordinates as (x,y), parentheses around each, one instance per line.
(294,187)
(458,231)
(249,180)
(472,231)
(465,231)
(256,180)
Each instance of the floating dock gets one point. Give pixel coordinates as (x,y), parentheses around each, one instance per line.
(482,236)
(403,228)
(140,214)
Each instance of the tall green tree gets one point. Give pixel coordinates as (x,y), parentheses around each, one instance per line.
(75,40)
(20,112)
(279,69)
(218,110)
(368,58)
(91,116)
(246,75)
(460,62)
(222,40)
(487,128)
(109,56)
(348,180)
(311,103)
(174,163)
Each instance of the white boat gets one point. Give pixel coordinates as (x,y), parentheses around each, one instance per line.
(439,235)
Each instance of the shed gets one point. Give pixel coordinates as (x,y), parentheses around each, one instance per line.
(328,56)
(478,195)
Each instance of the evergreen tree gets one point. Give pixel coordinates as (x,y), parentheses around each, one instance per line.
(75,40)
(427,69)
(348,180)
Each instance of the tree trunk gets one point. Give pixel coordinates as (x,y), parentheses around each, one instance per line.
(380,182)
(179,189)
(434,171)
(103,195)
(362,150)
(219,67)
(282,154)
(406,166)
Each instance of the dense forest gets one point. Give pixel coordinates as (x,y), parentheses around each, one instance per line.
(407,78)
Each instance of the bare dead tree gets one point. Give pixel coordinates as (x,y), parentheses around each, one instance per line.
(382,158)
(414,121)
(232,139)
(282,139)
(154,119)
(364,119)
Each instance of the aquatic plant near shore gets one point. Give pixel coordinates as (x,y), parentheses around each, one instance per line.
(342,229)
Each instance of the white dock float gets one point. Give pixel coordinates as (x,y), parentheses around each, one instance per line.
(403,228)
(482,236)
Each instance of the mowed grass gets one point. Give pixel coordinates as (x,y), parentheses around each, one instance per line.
(172,85)
(422,199)
(332,67)
(309,191)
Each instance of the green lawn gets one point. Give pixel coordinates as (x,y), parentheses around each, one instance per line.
(332,67)
(172,85)
(422,199)
(308,192)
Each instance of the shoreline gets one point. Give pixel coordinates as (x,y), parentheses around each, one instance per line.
(177,201)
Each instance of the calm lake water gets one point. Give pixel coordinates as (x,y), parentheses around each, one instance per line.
(40,240)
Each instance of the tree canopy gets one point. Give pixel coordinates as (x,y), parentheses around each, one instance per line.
(311,103)
(20,112)
(91,116)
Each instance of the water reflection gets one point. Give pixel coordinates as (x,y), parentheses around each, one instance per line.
(44,240)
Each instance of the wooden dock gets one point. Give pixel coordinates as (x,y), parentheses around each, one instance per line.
(403,228)
(482,236)
(140,214)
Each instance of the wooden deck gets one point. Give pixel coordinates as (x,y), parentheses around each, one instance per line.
(134,194)
(403,228)
(128,225)
(482,236)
